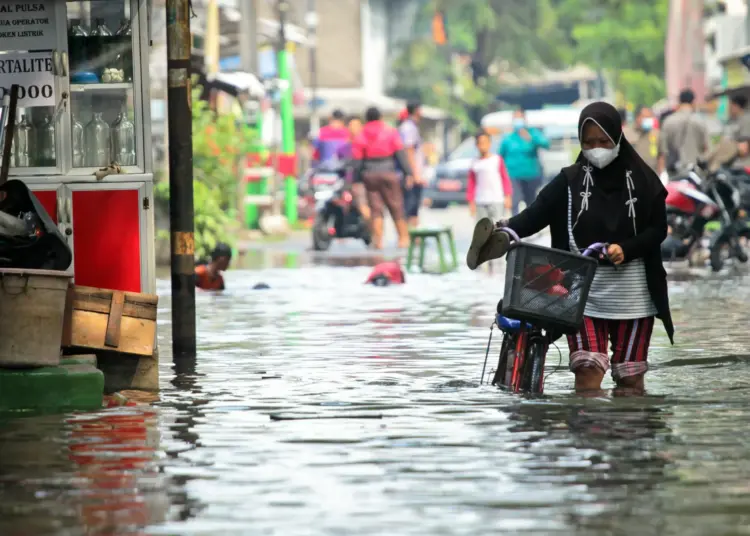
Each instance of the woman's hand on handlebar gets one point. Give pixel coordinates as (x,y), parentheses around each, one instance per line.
(615,253)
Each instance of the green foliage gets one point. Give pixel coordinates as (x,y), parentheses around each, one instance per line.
(625,39)
(218,142)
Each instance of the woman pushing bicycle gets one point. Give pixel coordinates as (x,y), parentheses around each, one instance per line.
(609,195)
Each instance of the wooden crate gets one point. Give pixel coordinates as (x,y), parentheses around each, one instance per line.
(111,320)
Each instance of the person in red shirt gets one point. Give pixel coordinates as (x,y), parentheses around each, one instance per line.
(379,160)
(488,189)
(208,275)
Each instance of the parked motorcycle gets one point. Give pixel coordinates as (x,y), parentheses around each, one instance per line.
(337,216)
(318,182)
(694,200)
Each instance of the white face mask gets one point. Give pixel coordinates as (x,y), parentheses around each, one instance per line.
(601,157)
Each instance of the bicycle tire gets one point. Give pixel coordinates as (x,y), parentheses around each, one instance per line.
(501,378)
(515,383)
(533,373)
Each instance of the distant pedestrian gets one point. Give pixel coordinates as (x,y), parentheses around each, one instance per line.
(644,137)
(683,138)
(520,151)
(409,131)
(738,126)
(488,190)
(208,275)
(330,139)
(359,194)
(379,160)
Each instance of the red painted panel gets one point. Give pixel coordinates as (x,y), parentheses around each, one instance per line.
(48,199)
(106,239)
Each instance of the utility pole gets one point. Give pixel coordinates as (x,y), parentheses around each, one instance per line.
(181,224)
(249,36)
(311,20)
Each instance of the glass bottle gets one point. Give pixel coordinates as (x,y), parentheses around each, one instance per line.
(77,130)
(22,143)
(100,38)
(123,140)
(77,44)
(45,149)
(101,30)
(125,43)
(96,139)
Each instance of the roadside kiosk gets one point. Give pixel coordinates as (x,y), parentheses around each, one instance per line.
(82,140)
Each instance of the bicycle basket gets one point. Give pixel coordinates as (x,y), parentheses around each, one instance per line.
(547,287)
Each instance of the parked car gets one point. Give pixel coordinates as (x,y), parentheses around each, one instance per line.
(449,182)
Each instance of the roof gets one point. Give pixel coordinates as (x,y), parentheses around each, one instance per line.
(546,76)
(353,101)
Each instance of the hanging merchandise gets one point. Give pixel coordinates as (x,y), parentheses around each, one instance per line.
(96,139)
(123,141)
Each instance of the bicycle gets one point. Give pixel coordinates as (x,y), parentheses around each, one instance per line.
(545,295)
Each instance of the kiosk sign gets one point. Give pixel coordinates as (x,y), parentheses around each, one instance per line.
(32,71)
(27,25)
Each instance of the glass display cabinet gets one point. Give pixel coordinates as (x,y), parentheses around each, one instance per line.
(82,68)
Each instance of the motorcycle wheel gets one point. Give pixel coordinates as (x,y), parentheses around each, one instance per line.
(532,381)
(321,239)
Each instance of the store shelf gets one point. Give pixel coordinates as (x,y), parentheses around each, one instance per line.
(79,88)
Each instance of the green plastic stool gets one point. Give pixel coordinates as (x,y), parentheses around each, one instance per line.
(437,233)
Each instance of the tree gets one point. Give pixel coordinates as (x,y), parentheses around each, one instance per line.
(218,141)
(626,39)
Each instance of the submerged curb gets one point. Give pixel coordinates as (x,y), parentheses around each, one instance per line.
(74,385)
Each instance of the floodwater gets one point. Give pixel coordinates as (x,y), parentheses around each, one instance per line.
(393,433)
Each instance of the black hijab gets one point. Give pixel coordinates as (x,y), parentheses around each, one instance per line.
(619,196)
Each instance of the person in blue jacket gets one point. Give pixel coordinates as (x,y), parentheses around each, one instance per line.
(520,151)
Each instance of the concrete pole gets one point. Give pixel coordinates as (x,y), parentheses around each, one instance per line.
(181,212)
(312,29)
(286,109)
(249,36)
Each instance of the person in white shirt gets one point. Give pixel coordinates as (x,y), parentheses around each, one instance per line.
(488,189)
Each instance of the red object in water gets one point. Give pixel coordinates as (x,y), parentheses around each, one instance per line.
(391,270)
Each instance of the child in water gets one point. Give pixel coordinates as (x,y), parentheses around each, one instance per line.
(208,275)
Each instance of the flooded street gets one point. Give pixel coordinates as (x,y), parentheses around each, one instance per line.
(394,434)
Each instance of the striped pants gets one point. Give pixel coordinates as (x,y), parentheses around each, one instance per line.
(630,340)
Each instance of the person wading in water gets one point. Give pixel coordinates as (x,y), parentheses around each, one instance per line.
(208,274)
(379,159)
(609,195)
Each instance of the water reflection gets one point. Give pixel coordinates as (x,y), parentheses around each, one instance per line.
(97,473)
